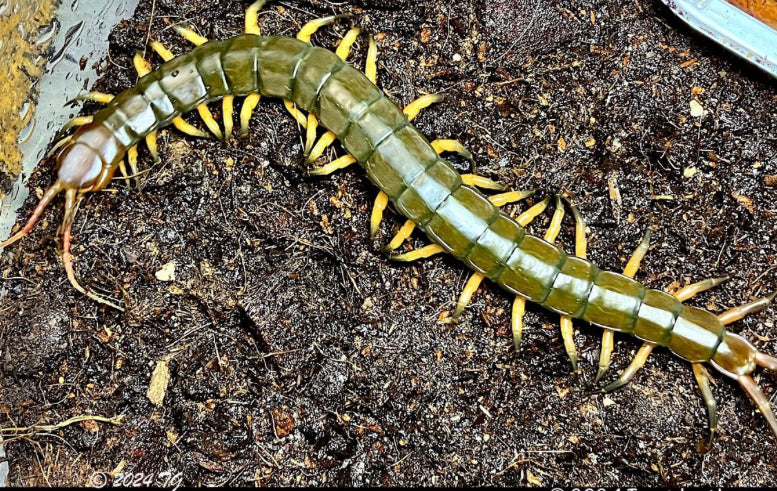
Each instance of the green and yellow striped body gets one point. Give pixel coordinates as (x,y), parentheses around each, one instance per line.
(424,187)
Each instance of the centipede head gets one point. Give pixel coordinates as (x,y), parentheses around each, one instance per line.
(80,170)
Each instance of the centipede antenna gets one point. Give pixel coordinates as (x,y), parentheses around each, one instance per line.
(760,400)
(71,206)
(44,201)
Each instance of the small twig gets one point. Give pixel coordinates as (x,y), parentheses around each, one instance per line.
(150,22)
(31,430)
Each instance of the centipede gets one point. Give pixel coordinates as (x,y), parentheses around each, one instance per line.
(334,101)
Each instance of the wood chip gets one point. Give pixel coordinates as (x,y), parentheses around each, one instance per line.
(562,144)
(167,272)
(158,386)
(744,201)
(283,422)
(533,480)
(697,110)
(690,172)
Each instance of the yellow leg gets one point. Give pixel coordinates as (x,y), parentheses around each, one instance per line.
(249,104)
(605,355)
(252,17)
(123,170)
(481,182)
(608,338)
(132,160)
(78,121)
(690,291)
(163,52)
(639,254)
(401,236)
(190,35)
(527,216)
(314,25)
(466,295)
(415,107)
(555,223)
(58,145)
(347,42)
(568,335)
(210,121)
(441,146)
(581,244)
(184,127)
(733,315)
(100,97)
(296,113)
(153,148)
(142,66)
(760,400)
(519,309)
(422,253)
(381,202)
(502,199)
(638,362)
(567,328)
(333,166)
(318,149)
(371,65)
(310,138)
(228,108)
(703,379)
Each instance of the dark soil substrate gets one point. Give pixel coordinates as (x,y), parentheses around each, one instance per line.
(300,354)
